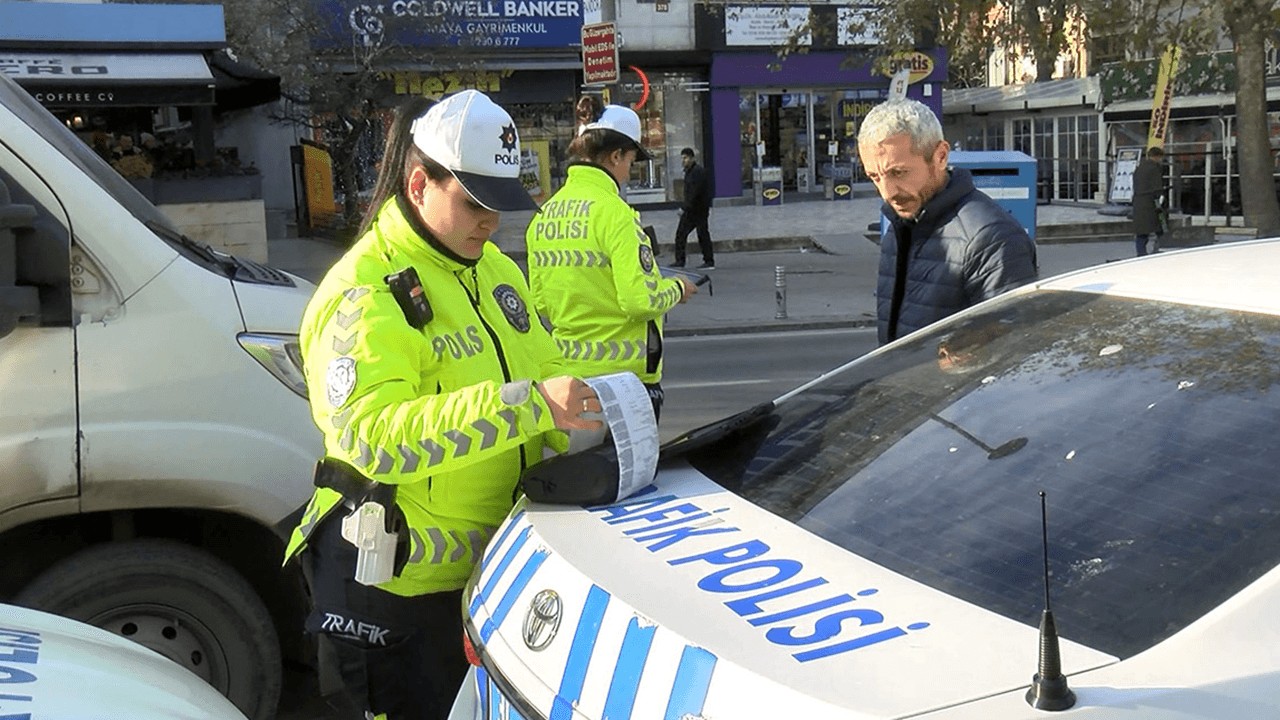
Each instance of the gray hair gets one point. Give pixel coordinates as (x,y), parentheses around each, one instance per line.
(898,117)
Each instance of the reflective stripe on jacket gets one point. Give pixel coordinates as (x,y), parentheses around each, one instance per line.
(448,412)
(594,278)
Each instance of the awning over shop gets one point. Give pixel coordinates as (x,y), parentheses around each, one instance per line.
(241,86)
(1049,95)
(1186,106)
(112,79)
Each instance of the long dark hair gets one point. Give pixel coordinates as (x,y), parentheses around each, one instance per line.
(595,145)
(399,157)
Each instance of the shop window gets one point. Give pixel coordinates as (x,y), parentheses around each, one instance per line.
(1042,146)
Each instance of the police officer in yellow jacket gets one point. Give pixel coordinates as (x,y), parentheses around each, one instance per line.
(591,267)
(421,356)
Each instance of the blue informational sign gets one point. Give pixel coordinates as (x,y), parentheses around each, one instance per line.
(509,24)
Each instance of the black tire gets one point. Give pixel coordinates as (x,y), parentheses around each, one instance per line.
(179,601)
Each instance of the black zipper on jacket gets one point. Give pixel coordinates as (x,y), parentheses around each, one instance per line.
(497,344)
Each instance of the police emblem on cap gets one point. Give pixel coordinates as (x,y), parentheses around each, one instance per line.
(508,137)
(513,307)
(340,380)
(646,257)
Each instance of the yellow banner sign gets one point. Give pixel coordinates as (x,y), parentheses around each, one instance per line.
(1163,97)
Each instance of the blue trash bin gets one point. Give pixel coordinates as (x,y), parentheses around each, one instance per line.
(1008,177)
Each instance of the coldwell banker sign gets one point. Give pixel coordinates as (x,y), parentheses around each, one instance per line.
(458,23)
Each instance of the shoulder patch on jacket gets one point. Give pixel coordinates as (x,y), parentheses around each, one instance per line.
(513,307)
(646,257)
(340,380)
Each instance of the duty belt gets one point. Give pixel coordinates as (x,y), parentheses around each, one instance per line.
(355,490)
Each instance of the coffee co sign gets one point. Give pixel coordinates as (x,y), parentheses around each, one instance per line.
(88,79)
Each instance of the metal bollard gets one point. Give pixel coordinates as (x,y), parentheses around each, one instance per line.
(780,291)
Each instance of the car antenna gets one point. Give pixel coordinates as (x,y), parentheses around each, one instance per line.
(1048,689)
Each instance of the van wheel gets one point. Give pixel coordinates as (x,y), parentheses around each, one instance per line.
(179,601)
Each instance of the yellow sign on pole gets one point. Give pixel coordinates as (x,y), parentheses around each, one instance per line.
(1163,96)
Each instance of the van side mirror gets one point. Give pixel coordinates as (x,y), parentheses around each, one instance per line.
(17,303)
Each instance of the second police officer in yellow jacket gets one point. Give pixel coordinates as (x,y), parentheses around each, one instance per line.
(430,377)
(591,267)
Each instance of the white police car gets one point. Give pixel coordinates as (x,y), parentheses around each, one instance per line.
(872,545)
(52,668)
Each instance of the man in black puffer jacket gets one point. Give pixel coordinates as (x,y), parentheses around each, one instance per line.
(947,245)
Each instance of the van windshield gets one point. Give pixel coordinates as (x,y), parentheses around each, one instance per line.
(25,107)
(1150,426)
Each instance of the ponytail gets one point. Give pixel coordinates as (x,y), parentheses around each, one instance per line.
(399,157)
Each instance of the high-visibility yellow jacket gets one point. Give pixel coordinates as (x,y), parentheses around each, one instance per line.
(593,276)
(448,412)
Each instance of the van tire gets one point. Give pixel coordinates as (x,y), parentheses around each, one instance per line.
(139,588)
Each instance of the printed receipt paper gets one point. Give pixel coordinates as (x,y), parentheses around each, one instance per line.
(628,415)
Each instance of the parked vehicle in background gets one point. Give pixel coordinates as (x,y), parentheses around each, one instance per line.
(872,544)
(154,430)
(60,669)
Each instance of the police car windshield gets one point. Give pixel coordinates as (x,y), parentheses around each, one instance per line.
(1150,426)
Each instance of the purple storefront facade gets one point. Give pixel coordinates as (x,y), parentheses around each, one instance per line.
(792,116)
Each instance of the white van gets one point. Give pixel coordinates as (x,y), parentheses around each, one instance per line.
(154,432)
(58,669)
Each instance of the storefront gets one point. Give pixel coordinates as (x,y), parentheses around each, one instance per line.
(436,49)
(141,84)
(539,96)
(1200,148)
(669,101)
(1057,122)
(125,76)
(801,114)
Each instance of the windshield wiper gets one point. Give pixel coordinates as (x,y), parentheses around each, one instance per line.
(226,262)
(708,434)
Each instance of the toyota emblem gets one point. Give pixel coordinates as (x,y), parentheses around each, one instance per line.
(542,620)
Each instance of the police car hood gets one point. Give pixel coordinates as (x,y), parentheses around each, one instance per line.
(53,668)
(687,601)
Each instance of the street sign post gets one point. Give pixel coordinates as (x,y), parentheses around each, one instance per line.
(599,54)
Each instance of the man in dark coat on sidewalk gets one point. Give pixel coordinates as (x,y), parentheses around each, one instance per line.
(1148,189)
(695,211)
(947,245)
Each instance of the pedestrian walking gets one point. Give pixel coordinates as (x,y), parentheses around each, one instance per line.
(591,266)
(1148,193)
(947,245)
(433,385)
(695,211)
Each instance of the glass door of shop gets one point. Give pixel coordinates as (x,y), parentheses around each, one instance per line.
(785,120)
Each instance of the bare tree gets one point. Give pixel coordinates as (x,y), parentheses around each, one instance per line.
(1197,26)
(330,80)
(336,71)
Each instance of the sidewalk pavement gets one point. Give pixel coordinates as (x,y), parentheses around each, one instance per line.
(828,264)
